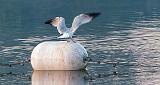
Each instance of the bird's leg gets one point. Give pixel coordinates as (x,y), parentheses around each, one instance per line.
(73,40)
(68,40)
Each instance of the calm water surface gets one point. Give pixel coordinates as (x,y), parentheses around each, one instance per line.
(127,34)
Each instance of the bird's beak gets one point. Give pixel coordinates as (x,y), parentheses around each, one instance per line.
(48,21)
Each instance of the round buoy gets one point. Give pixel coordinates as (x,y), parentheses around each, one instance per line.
(58,55)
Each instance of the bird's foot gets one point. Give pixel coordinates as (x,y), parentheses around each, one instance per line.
(71,40)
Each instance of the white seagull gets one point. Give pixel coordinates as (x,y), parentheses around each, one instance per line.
(67,33)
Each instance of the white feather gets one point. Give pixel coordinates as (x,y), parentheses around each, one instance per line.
(79,20)
(66,35)
(61,27)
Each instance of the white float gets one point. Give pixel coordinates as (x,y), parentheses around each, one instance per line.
(58,55)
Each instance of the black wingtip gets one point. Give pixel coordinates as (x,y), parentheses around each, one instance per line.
(48,21)
(94,14)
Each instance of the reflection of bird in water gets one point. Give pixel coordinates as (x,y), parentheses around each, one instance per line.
(67,33)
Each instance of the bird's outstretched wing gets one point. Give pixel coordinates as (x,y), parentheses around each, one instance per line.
(82,19)
(58,22)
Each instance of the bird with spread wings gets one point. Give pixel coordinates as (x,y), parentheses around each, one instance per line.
(67,33)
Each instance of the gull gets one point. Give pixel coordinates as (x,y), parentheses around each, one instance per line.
(67,33)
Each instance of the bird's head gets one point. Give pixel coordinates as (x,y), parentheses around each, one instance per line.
(55,22)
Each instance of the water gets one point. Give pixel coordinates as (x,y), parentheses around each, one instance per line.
(127,34)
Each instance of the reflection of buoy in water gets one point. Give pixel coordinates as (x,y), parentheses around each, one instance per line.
(59,78)
(58,55)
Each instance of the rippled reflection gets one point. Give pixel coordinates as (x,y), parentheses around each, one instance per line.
(59,78)
(139,50)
